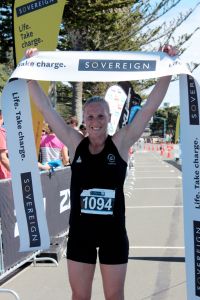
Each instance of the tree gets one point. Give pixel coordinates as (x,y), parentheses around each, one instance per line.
(6,44)
(6,30)
(168,114)
(114,25)
(118,25)
(5,71)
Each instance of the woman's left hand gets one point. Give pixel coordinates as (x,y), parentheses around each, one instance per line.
(170,50)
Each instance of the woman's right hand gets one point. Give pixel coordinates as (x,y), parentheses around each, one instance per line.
(31,52)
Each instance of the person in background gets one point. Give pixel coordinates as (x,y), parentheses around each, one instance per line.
(99,165)
(53,151)
(45,130)
(82,129)
(4,160)
(73,122)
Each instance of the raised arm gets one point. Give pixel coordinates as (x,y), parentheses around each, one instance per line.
(65,133)
(129,134)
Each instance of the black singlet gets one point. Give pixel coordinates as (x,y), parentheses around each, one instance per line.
(97,180)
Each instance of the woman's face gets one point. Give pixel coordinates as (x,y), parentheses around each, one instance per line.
(96,118)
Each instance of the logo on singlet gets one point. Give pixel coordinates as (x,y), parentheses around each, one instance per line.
(111,159)
(79,160)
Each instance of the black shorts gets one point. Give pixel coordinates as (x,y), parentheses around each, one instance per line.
(112,247)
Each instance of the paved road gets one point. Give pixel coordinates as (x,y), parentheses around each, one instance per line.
(156,267)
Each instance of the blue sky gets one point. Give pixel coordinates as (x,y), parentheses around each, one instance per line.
(193,46)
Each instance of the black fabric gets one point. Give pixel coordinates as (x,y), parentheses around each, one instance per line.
(106,170)
(110,243)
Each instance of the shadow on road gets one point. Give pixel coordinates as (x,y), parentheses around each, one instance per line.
(152,258)
(174,164)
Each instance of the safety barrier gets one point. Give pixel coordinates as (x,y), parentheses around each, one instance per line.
(166,150)
(56,196)
(10,292)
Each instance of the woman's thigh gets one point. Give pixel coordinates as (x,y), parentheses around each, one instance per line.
(80,278)
(113,277)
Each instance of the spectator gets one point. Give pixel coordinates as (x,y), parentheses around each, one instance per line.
(4,161)
(82,129)
(73,122)
(45,128)
(53,150)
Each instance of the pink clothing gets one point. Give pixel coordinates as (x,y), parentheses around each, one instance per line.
(4,173)
(51,148)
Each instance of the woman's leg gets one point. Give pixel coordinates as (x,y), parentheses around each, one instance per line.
(113,277)
(80,278)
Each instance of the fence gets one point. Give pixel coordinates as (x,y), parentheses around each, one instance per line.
(56,196)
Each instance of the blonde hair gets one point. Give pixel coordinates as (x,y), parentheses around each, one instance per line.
(97,99)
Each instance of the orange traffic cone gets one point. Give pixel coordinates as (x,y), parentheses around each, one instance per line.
(169,155)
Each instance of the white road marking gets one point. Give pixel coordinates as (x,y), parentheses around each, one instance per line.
(176,177)
(153,166)
(155,247)
(161,188)
(150,164)
(146,171)
(157,206)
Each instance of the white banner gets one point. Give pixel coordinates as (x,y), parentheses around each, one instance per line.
(115,66)
(190,146)
(116,97)
(98,66)
(26,185)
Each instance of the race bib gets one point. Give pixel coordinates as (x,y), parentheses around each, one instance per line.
(97,201)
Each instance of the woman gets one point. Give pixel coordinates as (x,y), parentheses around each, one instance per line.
(99,163)
(82,129)
(53,151)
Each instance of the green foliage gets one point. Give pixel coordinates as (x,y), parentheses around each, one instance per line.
(93,25)
(131,25)
(119,25)
(6,31)
(170,115)
(6,70)
(3,76)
